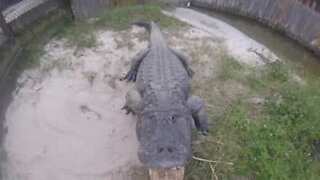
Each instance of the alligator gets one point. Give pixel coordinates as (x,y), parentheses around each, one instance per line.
(167,113)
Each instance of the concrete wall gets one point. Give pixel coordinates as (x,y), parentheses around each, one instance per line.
(89,8)
(14,53)
(171,2)
(23,21)
(294,18)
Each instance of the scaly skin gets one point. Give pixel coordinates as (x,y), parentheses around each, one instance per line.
(166,112)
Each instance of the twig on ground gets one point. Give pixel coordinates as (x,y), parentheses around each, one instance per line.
(211,161)
(213,171)
(212,140)
(214,167)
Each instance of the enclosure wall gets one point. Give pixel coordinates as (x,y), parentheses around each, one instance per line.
(297,19)
(26,21)
(86,9)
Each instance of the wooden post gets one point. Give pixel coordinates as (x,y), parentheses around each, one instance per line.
(118,2)
(317,8)
(5,27)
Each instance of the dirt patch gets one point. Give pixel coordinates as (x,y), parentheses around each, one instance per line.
(66,121)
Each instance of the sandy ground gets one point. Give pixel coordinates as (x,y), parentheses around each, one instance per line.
(65,122)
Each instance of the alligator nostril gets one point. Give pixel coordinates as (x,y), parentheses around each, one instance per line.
(160,150)
(170,149)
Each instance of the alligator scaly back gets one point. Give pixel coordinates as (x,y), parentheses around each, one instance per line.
(166,111)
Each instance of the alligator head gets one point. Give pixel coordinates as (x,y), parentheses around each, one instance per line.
(165,139)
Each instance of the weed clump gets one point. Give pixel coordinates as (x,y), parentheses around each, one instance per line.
(229,67)
(277,139)
(120,18)
(277,71)
(82,34)
(282,147)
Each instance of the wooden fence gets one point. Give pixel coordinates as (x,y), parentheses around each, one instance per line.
(88,8)
(20,14)
(5,27)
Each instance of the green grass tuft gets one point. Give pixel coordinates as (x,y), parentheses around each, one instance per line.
(255,81)
(37,35)
(283,146)
(79,34)
(229,67)
(120,18)
(82,34)
(34,51)
(277,71)
(278,139)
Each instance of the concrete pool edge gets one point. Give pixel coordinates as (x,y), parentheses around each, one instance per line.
(14,54)
(293,18)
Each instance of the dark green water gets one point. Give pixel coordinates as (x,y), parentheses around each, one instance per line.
(296,55)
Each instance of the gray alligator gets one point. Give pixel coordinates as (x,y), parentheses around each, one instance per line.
(167,113)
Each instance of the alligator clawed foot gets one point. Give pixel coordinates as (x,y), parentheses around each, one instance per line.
(204,130)
(124,78)
(190,72)
(129,77)
(132,77)
(205,133)
(128,110)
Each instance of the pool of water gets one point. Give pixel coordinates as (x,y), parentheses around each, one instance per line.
(290,51)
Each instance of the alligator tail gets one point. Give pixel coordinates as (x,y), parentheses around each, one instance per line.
(156,37)
(143,24)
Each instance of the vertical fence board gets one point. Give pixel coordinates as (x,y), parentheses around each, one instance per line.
(85,9)
(5,27)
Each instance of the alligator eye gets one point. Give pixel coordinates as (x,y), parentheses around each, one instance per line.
(174,119)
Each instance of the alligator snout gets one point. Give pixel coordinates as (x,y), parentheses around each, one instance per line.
(166,149)
(164,154)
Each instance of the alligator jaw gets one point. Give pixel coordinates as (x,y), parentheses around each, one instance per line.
(176,173)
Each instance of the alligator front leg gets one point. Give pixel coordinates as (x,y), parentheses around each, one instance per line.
(133,99)
(132,74)
(184,61)
(196,105)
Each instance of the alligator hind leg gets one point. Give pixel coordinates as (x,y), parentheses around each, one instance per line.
(133,99)
(184,61)
(132,74)
(196,105)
